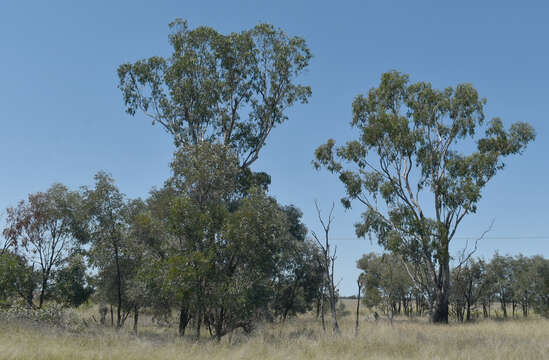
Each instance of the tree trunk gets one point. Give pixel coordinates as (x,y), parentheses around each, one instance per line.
(318,302)
(440,314)
(322,311)
(135,319)
(335,325)
(357,306)
(183,319)
(504,308)
(102,313)
(118,288)
(43,291)
(331,286)
(198,324)
(331,292)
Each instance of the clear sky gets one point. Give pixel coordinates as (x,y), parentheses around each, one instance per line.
(63,117)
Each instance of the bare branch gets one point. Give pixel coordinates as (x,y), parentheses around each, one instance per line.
(464,258)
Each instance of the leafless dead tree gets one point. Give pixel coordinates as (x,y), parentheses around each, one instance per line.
(329,261)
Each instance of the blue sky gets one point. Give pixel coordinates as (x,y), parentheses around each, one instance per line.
(63,118)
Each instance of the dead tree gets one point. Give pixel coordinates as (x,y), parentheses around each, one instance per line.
(329,262)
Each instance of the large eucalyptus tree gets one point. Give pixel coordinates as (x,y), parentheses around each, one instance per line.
(418,166)
(233,89)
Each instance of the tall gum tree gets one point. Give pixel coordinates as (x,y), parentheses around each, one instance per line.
(415,170)
(231,89)
(219,96)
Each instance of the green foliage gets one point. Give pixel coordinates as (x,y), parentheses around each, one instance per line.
(221,255)
(202,91)
(211,237)
(43,226)
(472,282)
(18,280)
(385,282)
(412,154)
(111,251)
(71,283)
(541,285)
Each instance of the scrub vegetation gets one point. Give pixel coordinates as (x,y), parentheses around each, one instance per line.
(211,265)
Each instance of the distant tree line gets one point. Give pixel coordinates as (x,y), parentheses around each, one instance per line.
(502,287)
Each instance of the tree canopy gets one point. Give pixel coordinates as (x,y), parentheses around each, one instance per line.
(233,89)
(415,154)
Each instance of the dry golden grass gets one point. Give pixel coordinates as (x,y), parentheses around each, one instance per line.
(298,339)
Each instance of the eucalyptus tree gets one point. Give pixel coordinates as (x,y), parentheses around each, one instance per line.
(226,247)
(470,281)
(232,89)
(205,184)
(106,231)
(42,227)
(541,285)
(523,286)
(72,286)
(415,171)
(502,275)
(386,283)
(477,284)
(250,252)
(298,279)
(161,243)
(299,274)
(18,280)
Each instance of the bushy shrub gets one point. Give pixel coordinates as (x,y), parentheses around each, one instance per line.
(51,315)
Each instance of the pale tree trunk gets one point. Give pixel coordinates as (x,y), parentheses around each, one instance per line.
(322,311)
(335,325)
(331,289)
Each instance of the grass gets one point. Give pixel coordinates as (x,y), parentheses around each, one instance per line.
(300,338)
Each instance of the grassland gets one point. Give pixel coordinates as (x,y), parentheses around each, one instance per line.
(300,338)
